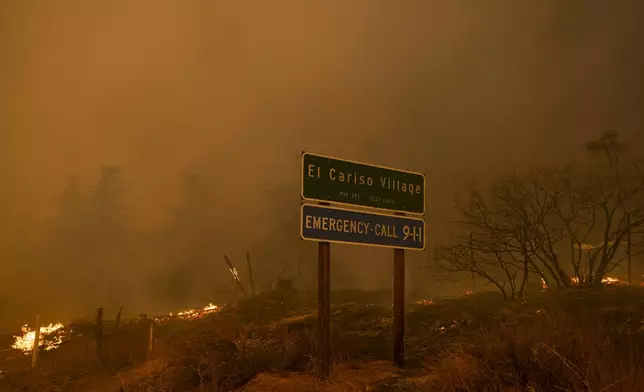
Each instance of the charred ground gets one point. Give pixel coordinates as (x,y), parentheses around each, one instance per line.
(578,339)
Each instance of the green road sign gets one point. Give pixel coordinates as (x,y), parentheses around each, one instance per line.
(326,179)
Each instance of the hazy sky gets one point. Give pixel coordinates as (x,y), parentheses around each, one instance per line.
(440,86)
(453,88)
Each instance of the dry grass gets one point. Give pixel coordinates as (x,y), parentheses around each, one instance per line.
(574,341)
(345,377)
(224,354)
(547,351)
(570,341)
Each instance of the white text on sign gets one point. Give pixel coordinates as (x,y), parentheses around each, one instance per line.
(359,227)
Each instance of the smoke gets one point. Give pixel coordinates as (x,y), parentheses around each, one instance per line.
(456,89)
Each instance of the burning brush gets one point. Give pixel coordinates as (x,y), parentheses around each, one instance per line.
(51,336)
(190,314)
(196,313)
(575,281)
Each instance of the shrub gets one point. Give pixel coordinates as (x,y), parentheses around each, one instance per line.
(544,352)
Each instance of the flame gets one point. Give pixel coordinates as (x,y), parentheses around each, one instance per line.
(192,313)
(51,335)
(467,292)
(606,280)
(25,342)
(609,280)
(235,273)
(425,302)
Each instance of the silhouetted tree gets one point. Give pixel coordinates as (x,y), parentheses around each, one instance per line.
(106,214)
(555,223)
(190,241)
(65,241)
(282,245)
(610,146)
(72,210)
(488,259)
(614,196)
(105,232)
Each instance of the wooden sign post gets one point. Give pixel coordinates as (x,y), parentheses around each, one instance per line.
(100,341)
(324,308)
(628,248)
(399,308)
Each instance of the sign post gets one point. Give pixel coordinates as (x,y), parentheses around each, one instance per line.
(328,180)
(399,308)
(628,248)
(324,307)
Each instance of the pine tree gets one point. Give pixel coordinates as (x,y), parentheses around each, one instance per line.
(72,206)
(106,215)
(191,240)
(106,247)
(64,244)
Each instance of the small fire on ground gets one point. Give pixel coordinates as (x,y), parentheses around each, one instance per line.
(607,280)
(49,338)
(52,335)
(429,301)
(196,313)
(191,314)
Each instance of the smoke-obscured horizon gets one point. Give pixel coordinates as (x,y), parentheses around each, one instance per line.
(233,92)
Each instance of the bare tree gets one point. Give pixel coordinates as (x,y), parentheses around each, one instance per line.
(488,258)
(544,222)
(510,236)
(615,192)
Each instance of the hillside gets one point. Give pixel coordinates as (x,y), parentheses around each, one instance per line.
(578,340)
